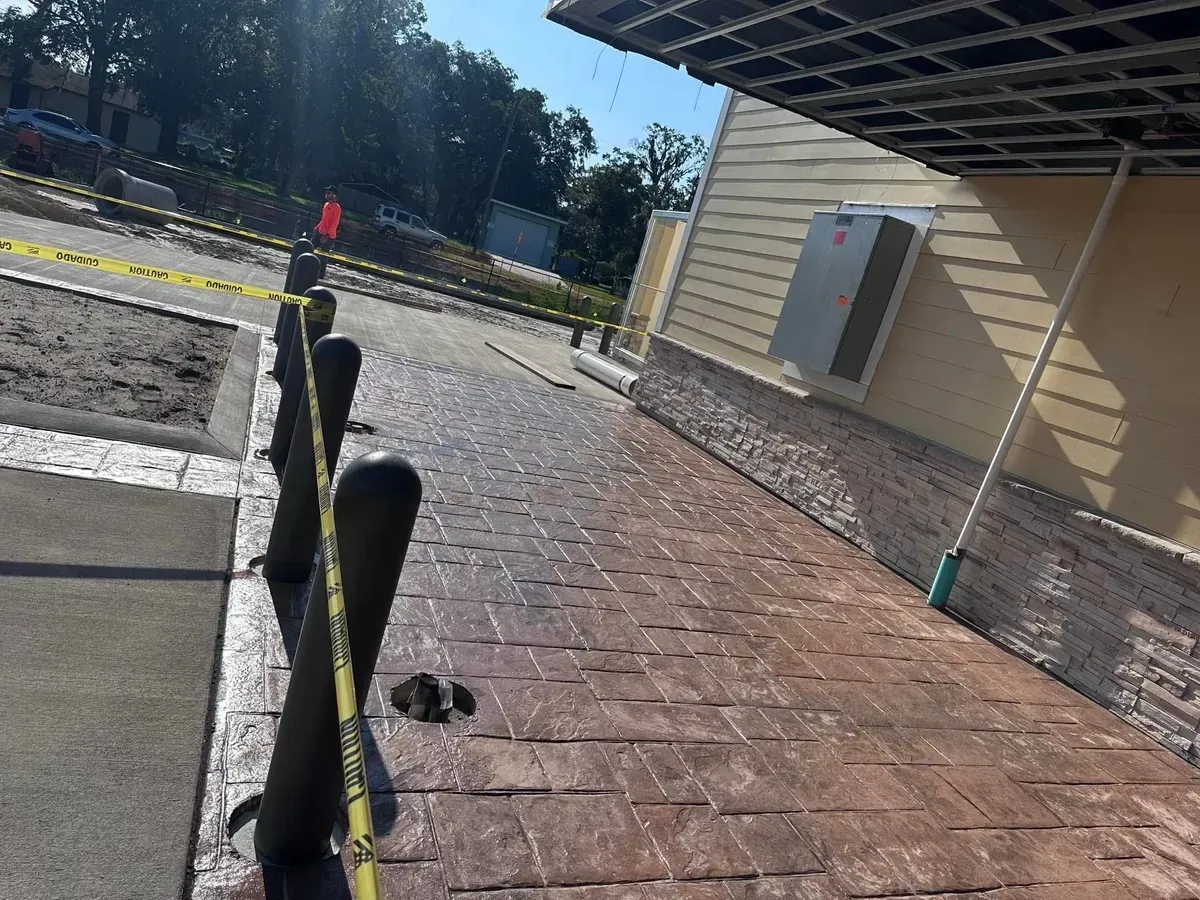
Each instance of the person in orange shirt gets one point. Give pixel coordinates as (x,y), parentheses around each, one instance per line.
(331,217)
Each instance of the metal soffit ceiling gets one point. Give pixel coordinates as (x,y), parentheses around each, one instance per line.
(995,87)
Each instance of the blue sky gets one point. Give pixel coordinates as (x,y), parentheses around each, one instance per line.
(559,63)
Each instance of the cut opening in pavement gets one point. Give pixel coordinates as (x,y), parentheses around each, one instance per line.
(427,698)
(242,820)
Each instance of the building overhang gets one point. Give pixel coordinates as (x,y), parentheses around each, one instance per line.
(983,87)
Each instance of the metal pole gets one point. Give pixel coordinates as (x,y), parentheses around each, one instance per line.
(306,275)
(299,248)
(375,508)
(585,310)
(939,593)
(294,381)
(295,529)
(606,336)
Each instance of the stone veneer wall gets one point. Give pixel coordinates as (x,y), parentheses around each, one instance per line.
(1111,610)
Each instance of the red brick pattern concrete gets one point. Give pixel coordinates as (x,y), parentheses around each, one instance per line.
(688,690)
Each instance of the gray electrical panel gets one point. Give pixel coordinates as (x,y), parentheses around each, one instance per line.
(844,279)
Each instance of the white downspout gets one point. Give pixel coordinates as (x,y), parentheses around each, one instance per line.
(948,570)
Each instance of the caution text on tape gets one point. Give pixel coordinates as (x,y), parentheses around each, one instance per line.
(153,273)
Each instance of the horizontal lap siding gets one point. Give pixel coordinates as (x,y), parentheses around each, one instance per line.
(1117,416)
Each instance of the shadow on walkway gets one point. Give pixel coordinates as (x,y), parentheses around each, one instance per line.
(15,569)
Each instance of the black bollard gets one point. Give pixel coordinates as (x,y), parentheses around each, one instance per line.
(295,530)
(585,310)
(375,508)
(307,275)
(299,248)
(293,382)
(606,336)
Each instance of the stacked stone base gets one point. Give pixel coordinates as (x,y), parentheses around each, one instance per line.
(1111,610)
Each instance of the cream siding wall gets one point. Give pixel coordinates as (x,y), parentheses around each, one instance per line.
(647,293)
(1116,421)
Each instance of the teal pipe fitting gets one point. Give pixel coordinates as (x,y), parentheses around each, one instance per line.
(943,582)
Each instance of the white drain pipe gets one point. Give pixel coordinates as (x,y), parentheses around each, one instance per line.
(939,593)
(604,370)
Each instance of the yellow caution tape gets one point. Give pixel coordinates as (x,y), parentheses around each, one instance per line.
(153,273)
(213,225)
(362,831)
(68,188)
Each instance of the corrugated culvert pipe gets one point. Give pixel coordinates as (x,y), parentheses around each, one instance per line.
(120,185)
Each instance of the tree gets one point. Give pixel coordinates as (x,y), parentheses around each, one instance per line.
(184,53)
(473,96)
(309,92)
(294,23)
(609,205)
(22,35)
(670,164)
(355,123)
(545,155)
(241,116)
(608,209)
(95,35)
(22,41)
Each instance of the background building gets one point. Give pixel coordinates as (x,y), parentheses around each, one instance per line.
(63,91)
(521,234)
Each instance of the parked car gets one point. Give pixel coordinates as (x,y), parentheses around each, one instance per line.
(58,127)
(398,223)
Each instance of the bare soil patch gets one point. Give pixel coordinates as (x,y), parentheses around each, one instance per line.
(61,349)
(24,200)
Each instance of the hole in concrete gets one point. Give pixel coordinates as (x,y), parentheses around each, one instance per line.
(245,815)
(427,698)
(241,826)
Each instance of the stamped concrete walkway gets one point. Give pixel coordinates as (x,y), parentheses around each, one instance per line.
(687,691)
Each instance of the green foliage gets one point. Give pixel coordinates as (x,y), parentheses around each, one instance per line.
(308,92)
(609,205)
(185,55)
(88,35)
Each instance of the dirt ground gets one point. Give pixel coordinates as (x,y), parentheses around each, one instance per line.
(64,350)
(20,199)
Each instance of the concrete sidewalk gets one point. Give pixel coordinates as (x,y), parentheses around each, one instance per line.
(375,324)
(110,607)
(686,691)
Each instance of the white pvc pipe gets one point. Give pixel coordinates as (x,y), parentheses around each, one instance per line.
(604,371)
(1043,356)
